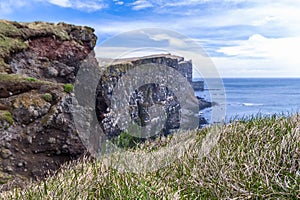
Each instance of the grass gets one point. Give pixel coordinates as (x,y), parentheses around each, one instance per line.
(7,116)
(10,45)
(16,77)
(257,158)
(68,88)
(48,97)
(31,79)
(8,29)
(22,79)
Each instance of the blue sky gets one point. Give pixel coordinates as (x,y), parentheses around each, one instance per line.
(243,38)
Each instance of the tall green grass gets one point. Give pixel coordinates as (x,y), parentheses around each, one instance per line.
(257,158)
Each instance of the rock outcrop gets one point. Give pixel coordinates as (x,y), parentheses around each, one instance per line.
(37,62)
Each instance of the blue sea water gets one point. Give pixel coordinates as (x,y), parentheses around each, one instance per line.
(252,96)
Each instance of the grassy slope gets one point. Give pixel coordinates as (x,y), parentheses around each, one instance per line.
(257,158)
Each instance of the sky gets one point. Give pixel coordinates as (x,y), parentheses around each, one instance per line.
(242,38)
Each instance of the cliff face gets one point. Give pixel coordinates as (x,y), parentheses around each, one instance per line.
(37,59)
(143,98)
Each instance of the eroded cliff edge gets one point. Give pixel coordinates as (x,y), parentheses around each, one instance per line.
(38,62)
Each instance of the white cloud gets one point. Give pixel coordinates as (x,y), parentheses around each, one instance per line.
(173,41)
(117,2)
(266,15)
(126,52)
(116,27)
(8,6)
(141,4)
(62,3)
(259,46)
(88,5)
(272,19)
(261,56)
(255,46)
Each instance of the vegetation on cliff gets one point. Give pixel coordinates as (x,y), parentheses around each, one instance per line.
(16,37)
(254,158)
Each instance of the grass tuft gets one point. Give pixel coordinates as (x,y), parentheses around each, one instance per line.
(31,79)
(7,116)
(48,97)
(68,88)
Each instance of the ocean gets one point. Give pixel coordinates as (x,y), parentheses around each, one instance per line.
(251,96)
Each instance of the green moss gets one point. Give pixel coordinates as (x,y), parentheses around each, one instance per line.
(25,81)
(10,41)
(10,45)
(8,29)
(56,30)
(31,79)
(16,78)
(7,116)
(48,97)
(68,88)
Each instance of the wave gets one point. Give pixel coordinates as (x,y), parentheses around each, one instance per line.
(252,104)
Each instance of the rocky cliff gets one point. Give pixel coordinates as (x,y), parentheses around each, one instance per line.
(38,64)
(143,98)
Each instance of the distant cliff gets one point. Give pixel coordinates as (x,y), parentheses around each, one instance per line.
(143,98)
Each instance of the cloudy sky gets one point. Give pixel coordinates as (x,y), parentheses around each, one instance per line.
(243,38)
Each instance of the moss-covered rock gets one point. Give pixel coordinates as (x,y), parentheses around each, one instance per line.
(7,116)
(10,45)
(45,39)
(14,84)
(36,60)
(9,29)
(6,119)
